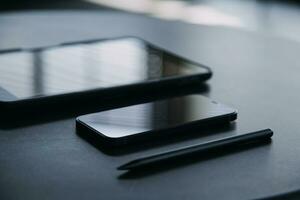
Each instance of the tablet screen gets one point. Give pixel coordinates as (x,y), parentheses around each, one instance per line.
(85,66)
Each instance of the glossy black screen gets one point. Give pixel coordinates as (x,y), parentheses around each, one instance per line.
(154,116)
(84,66)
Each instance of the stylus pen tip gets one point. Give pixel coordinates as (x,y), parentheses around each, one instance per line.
(126,166)
(122,167)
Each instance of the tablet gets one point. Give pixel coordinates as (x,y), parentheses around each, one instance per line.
(79,73)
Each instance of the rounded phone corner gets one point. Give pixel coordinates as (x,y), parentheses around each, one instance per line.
(84,129)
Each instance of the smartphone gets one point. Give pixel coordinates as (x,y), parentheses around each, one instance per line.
(153,120)
(73,75)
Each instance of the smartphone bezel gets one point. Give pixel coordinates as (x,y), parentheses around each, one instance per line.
(87,131)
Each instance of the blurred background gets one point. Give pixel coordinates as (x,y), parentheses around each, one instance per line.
(235,50)
(280,18)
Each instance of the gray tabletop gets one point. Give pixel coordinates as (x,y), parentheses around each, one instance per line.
(256,74)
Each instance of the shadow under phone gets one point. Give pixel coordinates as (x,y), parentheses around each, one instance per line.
(162,141)
(123,130)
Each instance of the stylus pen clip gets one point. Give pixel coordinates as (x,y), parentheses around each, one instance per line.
(198,148)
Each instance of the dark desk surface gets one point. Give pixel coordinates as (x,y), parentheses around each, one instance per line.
(258,75)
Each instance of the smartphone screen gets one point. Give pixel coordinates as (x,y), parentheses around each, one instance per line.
(154,116)
(84,66)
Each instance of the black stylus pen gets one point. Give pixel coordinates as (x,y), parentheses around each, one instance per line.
(197,149)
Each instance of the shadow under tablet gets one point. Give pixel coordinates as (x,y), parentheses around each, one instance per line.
(54,111)
(143,126)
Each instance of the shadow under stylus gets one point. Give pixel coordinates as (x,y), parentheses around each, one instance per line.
(189,160)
